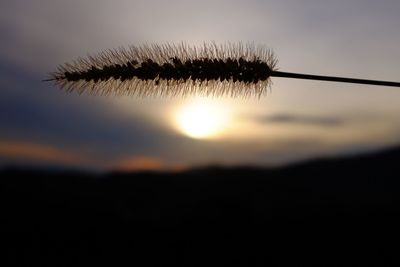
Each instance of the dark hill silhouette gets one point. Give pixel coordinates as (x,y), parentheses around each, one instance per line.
(336,212)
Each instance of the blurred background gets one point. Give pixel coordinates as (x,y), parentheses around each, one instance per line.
(41,125)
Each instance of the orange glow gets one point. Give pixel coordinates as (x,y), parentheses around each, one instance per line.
(145,163)
(32,151)
(139,163)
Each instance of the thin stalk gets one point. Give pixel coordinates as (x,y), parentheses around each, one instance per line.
(332,79)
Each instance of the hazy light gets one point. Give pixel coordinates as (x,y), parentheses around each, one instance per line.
(202,118)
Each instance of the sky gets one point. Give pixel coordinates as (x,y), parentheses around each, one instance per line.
(41,125)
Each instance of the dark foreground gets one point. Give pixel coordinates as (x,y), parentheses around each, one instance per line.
(328,213)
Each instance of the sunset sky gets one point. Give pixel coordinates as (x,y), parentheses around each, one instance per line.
(41,125)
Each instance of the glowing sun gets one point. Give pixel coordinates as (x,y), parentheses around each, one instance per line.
(202,118)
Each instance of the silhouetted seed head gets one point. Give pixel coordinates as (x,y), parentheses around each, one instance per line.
(152,70)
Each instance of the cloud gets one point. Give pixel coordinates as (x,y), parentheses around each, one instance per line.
(300,119)
(34,152)
(39,113)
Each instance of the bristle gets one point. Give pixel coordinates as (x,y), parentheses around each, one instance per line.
(171,70)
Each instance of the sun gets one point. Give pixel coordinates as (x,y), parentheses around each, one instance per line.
(202,118)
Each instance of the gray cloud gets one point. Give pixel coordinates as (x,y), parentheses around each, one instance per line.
(300,119)
(37,112)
